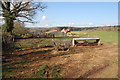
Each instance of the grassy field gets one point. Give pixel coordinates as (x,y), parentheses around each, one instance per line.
(105,36)
(30,60)
(37,42)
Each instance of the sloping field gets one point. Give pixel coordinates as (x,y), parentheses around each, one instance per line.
(32,60)
(105,36)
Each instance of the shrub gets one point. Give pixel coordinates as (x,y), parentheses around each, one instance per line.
(27,36)
(62,45)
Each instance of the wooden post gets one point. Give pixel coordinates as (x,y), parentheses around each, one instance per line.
(73,42)
(99,42)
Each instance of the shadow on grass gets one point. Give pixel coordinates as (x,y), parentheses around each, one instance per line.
(37,52)
(10,67)
(20,49)
(62,37)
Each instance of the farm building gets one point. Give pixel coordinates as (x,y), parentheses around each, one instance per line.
(65,30)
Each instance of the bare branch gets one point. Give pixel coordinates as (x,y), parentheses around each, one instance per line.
(2,5)
(25,21)
(17,10)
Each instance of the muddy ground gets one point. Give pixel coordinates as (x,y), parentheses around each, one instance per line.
(78,62)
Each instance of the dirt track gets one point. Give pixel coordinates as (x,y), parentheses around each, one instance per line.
(79,62)
(96,62)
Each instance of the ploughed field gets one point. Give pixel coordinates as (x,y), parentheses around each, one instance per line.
(35,58)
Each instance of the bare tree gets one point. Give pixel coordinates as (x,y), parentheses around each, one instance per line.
(18,10)
(19,28)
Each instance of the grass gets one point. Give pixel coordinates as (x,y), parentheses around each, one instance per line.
(44,71)
(56,71)
(62,38)
(22,62)
(10,69)
(37,52)
(32,42)
(105,36)
(27,43)
(20,44)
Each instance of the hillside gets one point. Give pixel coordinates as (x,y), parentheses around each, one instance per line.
(102,28)
(108,28)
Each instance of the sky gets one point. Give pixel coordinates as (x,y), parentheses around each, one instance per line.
(77,14)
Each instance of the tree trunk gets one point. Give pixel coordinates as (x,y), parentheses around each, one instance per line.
(8,17)
(9,25)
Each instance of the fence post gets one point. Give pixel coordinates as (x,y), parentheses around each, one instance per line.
(73,42)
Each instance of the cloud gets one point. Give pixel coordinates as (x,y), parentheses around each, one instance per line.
(46,25)
(90,24)
(43,17)
(58,25)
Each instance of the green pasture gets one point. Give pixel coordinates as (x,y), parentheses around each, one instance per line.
(105,36)
(37,42)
